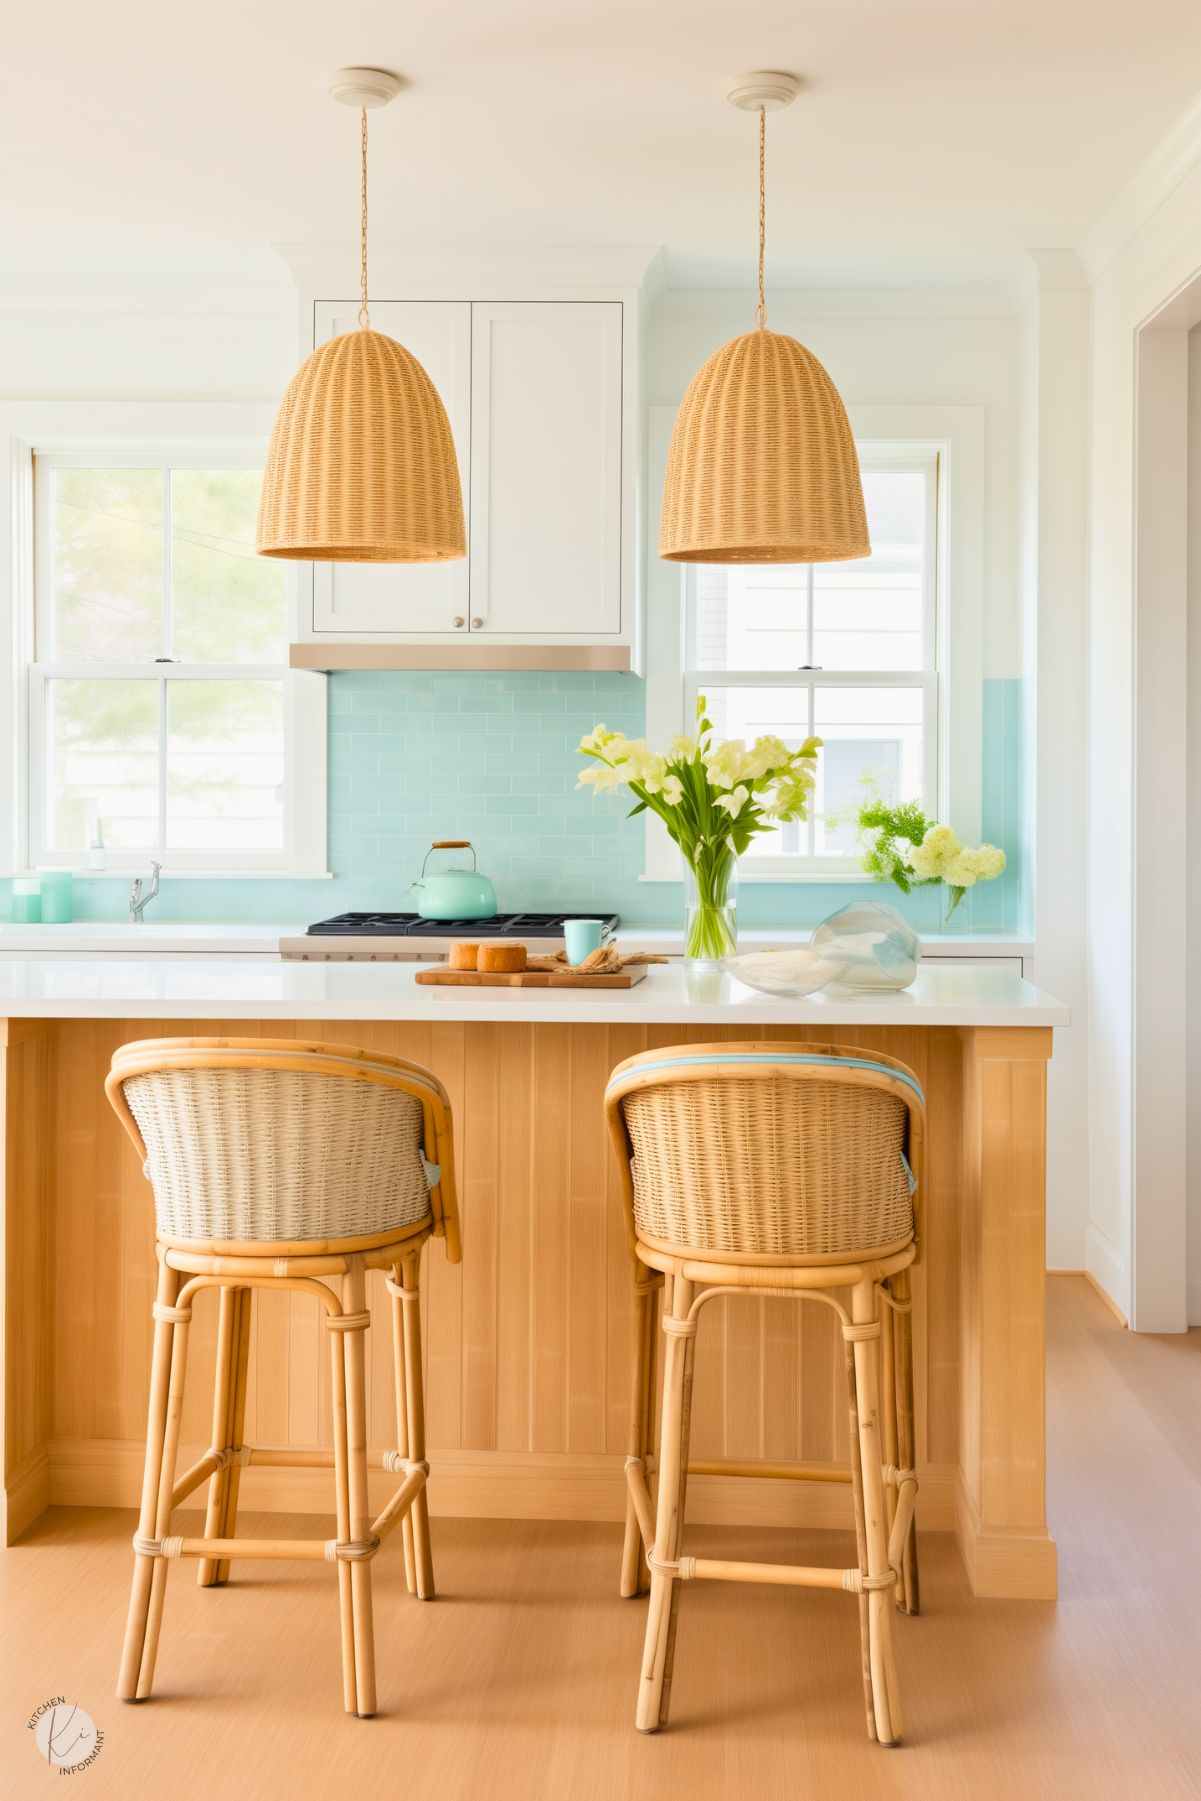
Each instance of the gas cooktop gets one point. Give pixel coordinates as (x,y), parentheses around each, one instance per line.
(388,936)
(412,925)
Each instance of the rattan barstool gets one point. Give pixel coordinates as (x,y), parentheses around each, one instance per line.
(790,1171)
(277,1164)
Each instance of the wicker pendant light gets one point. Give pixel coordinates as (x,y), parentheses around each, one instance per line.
(762,466)
(361,466)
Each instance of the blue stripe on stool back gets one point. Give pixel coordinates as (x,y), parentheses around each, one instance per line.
(884,1069)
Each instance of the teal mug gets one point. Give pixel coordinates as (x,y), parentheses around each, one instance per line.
(581,937)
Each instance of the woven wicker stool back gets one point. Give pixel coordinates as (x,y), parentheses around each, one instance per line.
(768,1150)
(249,1140)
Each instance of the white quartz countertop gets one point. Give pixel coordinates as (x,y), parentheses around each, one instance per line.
(233,938)
(212,987)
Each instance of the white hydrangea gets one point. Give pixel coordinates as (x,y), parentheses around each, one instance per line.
(942,856)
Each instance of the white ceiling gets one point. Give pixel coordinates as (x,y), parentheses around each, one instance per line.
(935,139)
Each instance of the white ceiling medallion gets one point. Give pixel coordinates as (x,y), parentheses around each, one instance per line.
(762,90)
(364,88)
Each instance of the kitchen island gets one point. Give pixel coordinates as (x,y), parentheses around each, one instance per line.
(528,1340)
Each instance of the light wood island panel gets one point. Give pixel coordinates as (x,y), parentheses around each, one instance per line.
(528,1340)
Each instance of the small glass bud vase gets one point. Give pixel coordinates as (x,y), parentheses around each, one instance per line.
(711,908)
(958,917)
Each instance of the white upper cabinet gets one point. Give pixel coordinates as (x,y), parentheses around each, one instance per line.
(377,601)
(546,468)
(542,404)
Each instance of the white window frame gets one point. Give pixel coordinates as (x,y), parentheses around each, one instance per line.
(952,439)
(28,597)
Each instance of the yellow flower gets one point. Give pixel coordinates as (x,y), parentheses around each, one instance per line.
(733,803)
(645,766)
(600,778)
(728,763)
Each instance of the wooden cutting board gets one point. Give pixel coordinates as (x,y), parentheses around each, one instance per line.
(443,977)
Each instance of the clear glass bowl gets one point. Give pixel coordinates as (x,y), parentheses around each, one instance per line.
(790,973)
(878,948)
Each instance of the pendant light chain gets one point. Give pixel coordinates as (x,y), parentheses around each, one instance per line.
(364,317)
(761,311)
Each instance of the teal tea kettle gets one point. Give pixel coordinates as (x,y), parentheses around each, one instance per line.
(454,893)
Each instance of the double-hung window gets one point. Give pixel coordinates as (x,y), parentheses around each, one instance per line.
(162,713)
(846,651)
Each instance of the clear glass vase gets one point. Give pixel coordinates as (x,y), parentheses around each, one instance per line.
(958,917)
(711,908)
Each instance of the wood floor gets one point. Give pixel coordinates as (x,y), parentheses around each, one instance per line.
(517,1684)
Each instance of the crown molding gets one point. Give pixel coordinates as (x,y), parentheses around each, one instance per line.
(1173,159)
(335,267)
(1044,272)
(835,303)
(45,297)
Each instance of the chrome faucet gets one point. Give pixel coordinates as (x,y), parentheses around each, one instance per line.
(138,902)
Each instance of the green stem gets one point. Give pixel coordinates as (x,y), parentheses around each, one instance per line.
(710,935)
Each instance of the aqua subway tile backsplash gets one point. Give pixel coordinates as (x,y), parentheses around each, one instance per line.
(493,758)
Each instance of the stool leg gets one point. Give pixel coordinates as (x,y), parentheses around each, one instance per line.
(222,1436)
(402,1419)
(641,1408)
(659,1304)
(229,1522)
(415,1403)
(654,1655)
(673,1612)
(880,1605)
(888,1405)
(158,1584)
(865,1656)
(156,1427)
(354,1300)
(909,1591)
(337,1364)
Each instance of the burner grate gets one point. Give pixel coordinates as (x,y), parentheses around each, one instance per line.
(412,925)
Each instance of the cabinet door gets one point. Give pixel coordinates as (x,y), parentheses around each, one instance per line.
(391,600)
(546,398)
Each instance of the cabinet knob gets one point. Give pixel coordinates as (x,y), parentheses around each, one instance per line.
(458,622)
(476,624)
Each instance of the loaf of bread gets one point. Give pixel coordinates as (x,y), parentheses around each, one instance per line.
(464,956)
(501,956)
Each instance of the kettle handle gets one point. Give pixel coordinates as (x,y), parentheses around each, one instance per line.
(450,844)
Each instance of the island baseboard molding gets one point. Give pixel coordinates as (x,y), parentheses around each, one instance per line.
(528,1340)
(507,1485)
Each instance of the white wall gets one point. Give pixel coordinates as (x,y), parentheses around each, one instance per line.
(1140,256)
(1054,522)
(147,343)
(1191,924)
